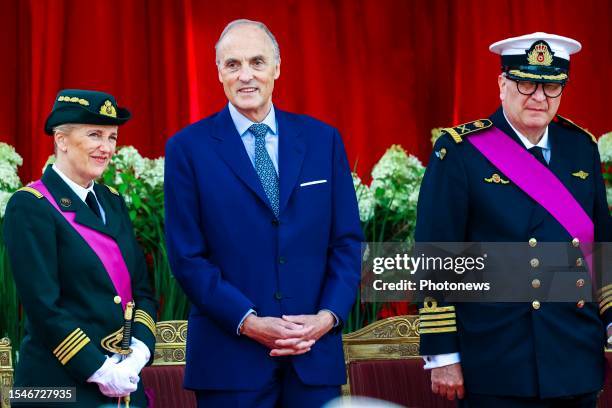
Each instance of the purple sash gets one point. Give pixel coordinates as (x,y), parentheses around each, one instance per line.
(539,183)
(104,246)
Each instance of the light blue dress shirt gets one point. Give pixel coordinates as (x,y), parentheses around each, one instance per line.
(243,124)
(544,143)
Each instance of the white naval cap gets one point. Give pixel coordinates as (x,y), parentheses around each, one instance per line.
(539,57)
(562,47)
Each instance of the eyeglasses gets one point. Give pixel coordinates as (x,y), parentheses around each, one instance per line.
(528,88)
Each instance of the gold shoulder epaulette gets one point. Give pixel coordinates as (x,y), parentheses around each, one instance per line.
(459,131)
(112,190)
(31,190)
(568,123)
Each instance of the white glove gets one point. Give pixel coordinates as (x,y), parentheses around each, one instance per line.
(138,358)
(115,380)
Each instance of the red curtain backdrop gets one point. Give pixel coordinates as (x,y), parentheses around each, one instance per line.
(382,71)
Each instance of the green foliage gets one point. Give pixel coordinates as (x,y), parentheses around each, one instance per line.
(604,145)
(387,210)
(140,183)
(11,325)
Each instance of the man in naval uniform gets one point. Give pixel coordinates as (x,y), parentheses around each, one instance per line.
(535,354)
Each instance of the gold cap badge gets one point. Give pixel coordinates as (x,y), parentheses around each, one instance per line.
(540,54)
(108,109)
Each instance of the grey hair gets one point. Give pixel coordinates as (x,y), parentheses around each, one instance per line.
(258,24)
(64,128)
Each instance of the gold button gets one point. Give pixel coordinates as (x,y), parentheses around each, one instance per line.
(535,304)
(534,263)
(580,283)
(580,304)
(117,299)
(533,242)
(535,283)
(576,242)
(579,262)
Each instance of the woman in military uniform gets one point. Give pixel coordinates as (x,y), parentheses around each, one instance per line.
(78,269)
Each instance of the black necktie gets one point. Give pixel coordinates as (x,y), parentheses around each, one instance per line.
(92,203)
(536,151)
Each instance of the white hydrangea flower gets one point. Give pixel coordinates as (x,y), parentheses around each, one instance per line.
(9,179)
(365,199)
(9,155)
(127,158)
(605,148)
(4,199)
(153,173)
(396,180)
(609,195)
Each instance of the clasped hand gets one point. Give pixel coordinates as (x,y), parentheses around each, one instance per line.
(289,335)
(115,379)
(118,376)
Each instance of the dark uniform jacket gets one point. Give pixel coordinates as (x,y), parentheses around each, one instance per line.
(515,349)
(68,297)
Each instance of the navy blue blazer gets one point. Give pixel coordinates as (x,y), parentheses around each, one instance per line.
(230,253)
(514,348)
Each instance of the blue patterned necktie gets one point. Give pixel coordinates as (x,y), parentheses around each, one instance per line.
(264,166)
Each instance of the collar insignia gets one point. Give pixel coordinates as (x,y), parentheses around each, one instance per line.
(441,153)
(496,178)
(581,174)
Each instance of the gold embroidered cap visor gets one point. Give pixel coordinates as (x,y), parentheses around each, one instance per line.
(537,57)
(87,107)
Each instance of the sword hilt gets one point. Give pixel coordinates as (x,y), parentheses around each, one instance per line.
(126,338)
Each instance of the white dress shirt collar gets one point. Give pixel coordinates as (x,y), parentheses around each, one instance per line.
(543,143)
(80,191)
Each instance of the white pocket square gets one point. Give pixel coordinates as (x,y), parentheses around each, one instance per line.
(310,183)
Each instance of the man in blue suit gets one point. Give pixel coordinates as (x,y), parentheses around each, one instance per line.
(263,235)
(501,180)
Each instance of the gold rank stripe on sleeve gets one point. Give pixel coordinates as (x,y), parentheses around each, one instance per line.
(437,316)
(143,317)
(433,323)
(605,299)
(436,319)
(71,345)
(436,330)
(605,291)
(437,323)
